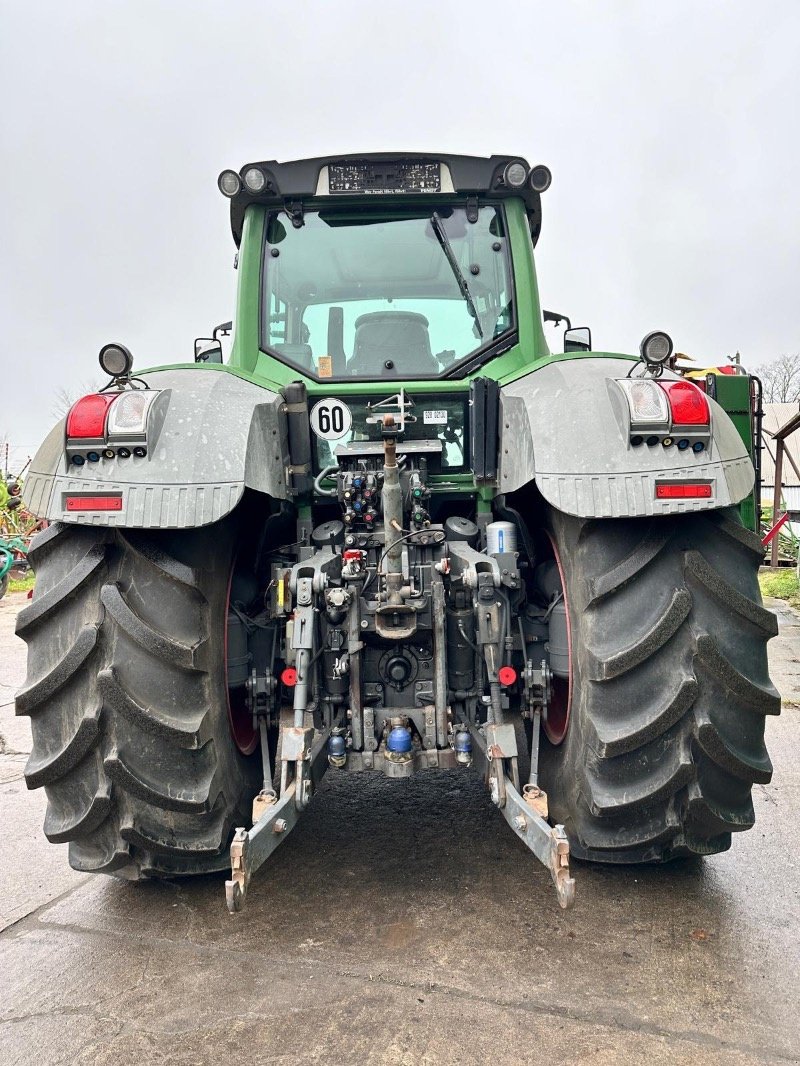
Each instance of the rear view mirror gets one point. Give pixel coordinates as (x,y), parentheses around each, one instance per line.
(578,339)
(207,350)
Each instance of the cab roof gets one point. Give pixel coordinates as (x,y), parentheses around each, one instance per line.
(368,177)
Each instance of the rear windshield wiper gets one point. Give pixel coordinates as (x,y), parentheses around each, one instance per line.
(447,248)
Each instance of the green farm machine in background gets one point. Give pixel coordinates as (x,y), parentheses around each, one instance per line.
(739,394)
(395,532)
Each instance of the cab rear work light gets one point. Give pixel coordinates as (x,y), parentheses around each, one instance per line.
(111,425)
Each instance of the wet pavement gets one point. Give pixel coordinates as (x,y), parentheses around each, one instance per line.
(403,923)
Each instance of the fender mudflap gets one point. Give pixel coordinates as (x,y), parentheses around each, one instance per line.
(565,427)
(220,435)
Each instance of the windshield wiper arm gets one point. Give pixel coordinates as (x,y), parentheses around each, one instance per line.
(447,248)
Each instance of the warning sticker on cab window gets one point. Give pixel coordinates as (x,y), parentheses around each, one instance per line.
(435,418)
(325,366)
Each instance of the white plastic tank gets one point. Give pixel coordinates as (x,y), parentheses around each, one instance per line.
(501,537)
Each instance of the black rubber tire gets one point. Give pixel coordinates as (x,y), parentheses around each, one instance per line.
(127,697)
(670,686)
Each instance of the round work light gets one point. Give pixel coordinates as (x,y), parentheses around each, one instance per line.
(254,180)
(229,183)
(540,178)
(515,174)
(116,360)
(656,348)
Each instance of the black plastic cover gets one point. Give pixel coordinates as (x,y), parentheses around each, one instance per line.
(484,413)
(297,180)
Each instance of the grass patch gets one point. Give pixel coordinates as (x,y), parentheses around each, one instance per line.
(781,584)
(21,584)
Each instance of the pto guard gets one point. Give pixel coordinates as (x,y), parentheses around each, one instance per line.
(220,435)
(566,427)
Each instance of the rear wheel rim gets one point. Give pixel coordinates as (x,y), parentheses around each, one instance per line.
(240,718)
(558,709)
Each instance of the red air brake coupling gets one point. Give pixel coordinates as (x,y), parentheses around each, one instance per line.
(289,676)
(352,555)
(506,675)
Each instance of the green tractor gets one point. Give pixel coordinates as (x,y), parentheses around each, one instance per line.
(394,532)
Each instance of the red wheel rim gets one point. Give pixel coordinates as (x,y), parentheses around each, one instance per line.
(557,723)
(240,720)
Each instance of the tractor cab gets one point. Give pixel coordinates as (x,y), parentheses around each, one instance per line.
(368,268)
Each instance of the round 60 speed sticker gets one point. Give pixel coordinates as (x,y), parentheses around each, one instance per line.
(330,419)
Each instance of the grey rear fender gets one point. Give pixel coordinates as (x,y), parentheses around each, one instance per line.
(566,427)
(216,435)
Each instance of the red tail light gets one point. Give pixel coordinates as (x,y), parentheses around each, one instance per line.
(688,404)
(87,418)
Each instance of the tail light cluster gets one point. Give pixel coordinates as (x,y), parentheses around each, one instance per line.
(111,425)
(667,413)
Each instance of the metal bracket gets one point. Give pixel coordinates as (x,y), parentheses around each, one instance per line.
(295,209)
(501,740)
(536,798)
(262,803)
(370,740)
(548,843)
(396,405)
(295,743)
(467,562)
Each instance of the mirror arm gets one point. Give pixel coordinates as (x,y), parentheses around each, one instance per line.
(556,318)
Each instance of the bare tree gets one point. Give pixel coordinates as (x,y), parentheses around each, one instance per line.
(781,379)
(63,399)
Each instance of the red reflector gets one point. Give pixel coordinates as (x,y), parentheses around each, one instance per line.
(94,503)
(682,490)
(289,676)
(688,403)
(506,675)
(87,417)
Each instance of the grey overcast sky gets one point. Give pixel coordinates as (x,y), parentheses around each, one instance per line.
(671,131)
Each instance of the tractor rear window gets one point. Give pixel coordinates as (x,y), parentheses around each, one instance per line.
(377,294)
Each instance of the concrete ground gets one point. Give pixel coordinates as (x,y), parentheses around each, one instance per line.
(403,923)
